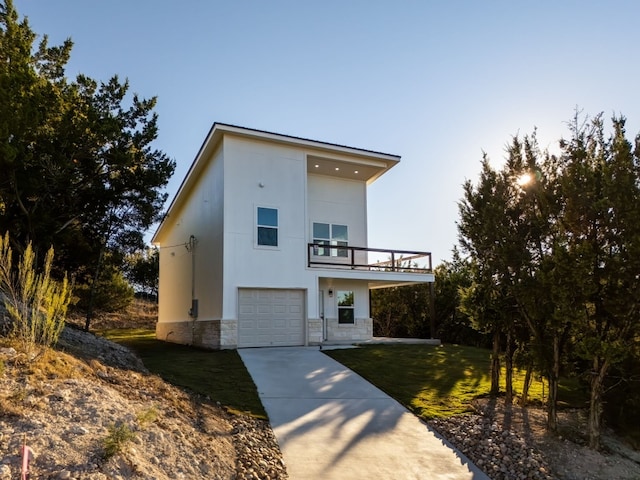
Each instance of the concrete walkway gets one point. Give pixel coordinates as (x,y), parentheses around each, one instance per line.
(332,424)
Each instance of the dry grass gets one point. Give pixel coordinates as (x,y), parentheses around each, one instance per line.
(140,314)
(55,364)
(30,375)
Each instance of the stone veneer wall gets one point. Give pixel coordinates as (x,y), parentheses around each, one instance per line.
(202,333)
(224,333)
(314,331)
(229,333)
(361,330)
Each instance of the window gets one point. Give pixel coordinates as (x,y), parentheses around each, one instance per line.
(345,307)
(267,227)
(329,234)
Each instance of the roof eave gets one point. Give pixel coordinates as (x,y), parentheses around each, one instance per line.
(218,130)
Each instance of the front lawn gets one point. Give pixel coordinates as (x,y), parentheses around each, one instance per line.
(217,374)
(439,381)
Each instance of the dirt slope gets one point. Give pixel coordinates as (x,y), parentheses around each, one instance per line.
(69,406)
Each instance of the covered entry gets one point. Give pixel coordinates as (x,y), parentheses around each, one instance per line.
(270,317)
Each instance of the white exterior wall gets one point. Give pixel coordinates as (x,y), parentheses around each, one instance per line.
(338,201)
(281,171)
(343,202)
(201,217)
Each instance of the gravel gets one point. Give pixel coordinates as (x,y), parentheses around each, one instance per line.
(512,442)
(501,454)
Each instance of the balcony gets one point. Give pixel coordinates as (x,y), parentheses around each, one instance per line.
(321,255)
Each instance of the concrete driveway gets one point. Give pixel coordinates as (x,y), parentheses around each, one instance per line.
(332,424)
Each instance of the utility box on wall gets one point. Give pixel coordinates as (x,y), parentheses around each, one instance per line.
(193,312)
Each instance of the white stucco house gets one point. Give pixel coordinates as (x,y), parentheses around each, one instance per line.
(265,244)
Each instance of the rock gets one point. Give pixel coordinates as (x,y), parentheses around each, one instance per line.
(491,448)
(78,430)
(8,352)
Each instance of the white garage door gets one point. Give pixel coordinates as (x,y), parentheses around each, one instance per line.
(270,317)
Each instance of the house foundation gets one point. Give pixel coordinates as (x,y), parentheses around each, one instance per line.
(360,330)
(200,333)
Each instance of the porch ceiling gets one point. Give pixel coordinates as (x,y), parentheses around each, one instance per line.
(366,170)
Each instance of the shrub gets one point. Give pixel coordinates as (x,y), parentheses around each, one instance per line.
(36,305)
(147,416)
(119,435)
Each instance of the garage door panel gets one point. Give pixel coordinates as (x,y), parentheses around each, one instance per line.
(270,317)
(264,295)
(247,294)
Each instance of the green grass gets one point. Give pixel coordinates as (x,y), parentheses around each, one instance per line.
(217,374)
(436,382)
(431,381)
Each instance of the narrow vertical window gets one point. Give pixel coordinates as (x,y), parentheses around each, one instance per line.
(345,307)
(267,227)
(322,236)
(339,237)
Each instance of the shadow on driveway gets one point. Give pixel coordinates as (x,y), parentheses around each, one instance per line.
(332,424)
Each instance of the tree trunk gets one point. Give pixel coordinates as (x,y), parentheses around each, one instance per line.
(495,365)
(554,374)
(525,387)
(508,358)
(92,294)
(600,369)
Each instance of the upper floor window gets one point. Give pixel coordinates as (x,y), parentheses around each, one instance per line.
(330,234)
(267,226)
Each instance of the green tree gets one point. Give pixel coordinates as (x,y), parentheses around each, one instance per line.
(559,254)
(600,290)
(401,311)
(453,325)
(507,227)
(534,212)
(34,97)
(485,234)
(143,269)
(81,171)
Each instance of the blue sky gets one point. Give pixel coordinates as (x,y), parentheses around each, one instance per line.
(435,82)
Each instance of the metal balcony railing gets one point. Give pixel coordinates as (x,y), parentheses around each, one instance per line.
(357,258)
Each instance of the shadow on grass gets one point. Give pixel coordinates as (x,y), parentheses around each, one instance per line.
(217,374)
(431,381)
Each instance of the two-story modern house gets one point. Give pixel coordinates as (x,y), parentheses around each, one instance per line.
(265,244)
